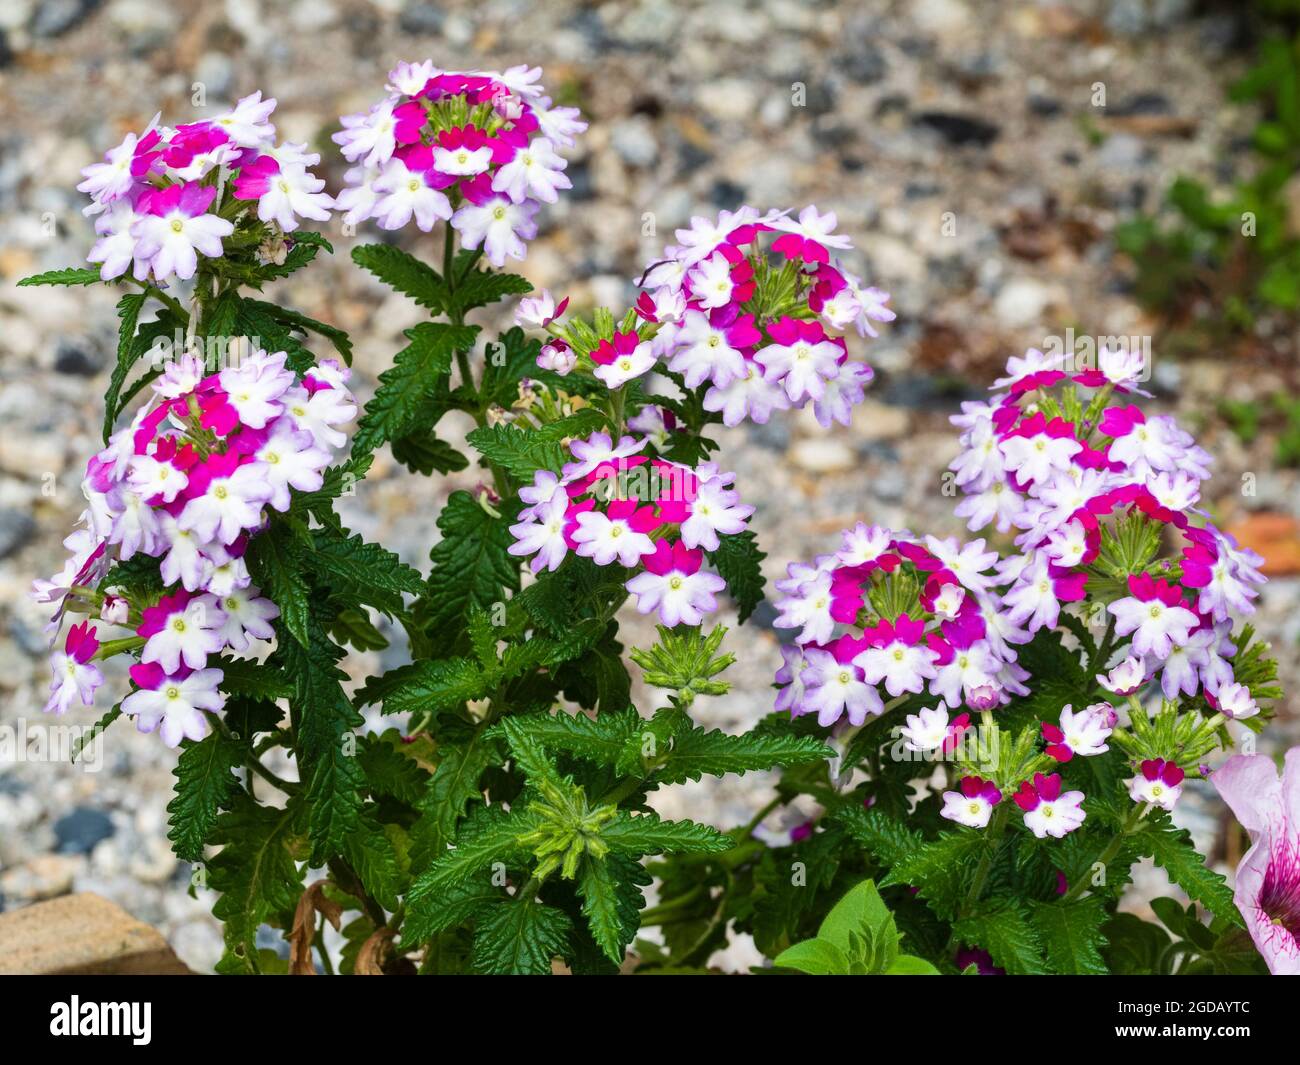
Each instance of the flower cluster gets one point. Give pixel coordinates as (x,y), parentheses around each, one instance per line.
(761,326)
(1095,490)
(164,197)
(614,504)
(888,610)
(758,327)
(188,484)
(1109,548)
(475,148)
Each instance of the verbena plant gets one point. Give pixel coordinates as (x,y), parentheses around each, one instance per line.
(952,812)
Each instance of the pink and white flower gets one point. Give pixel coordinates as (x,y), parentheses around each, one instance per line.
(1159,783)
(543,534)
(175,229)
(181,628)
(1047,812)
(834,689)
(618,533)
(973,805)
(1083,733)
(497,224)
(173,705)
(74,673)
(675,586)
(1154,615)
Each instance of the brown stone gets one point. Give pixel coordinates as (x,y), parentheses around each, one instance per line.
(1275,536)
(82,934)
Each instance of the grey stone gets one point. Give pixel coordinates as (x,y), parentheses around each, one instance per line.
(56,17)
(864,63)
(635,142)
(16,529)
(1142,103)
(79,831)
(959,130)
(78,360)
(422,18)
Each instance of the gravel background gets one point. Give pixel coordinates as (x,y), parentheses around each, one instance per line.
(914,114)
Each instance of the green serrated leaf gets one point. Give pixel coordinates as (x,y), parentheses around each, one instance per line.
(390,770)
(367,572)
(372,856)
(520,937)
(205,782)
(256,873)
(490,834)
(600,739)
(698,753)
(405,273)
(427,686)
(69,275)
(471,563)
(1003,929)
(417,372)
(939,869)
(323,716)
(1172,850)
(253,680)
(479,288)
(275,560)
(738,562)
(455,784)
(1071,934)
(128,313)
(294,320)
(641,834)
(422,452)
(518,451)
(611,901)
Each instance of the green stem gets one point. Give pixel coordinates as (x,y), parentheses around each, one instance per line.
(617,794)
(760,817)
(346,878)
(469,266)
(1134,818)
(109,648)
(448,257)
(467,379)
(665,911)
(617,410)
(251,760)
(1095,408)
(170,302)
(996,829)
(1103,650)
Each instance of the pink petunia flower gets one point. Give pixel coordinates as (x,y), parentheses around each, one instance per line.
(1267,890)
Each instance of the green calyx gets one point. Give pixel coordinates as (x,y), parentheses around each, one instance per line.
(568,828)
